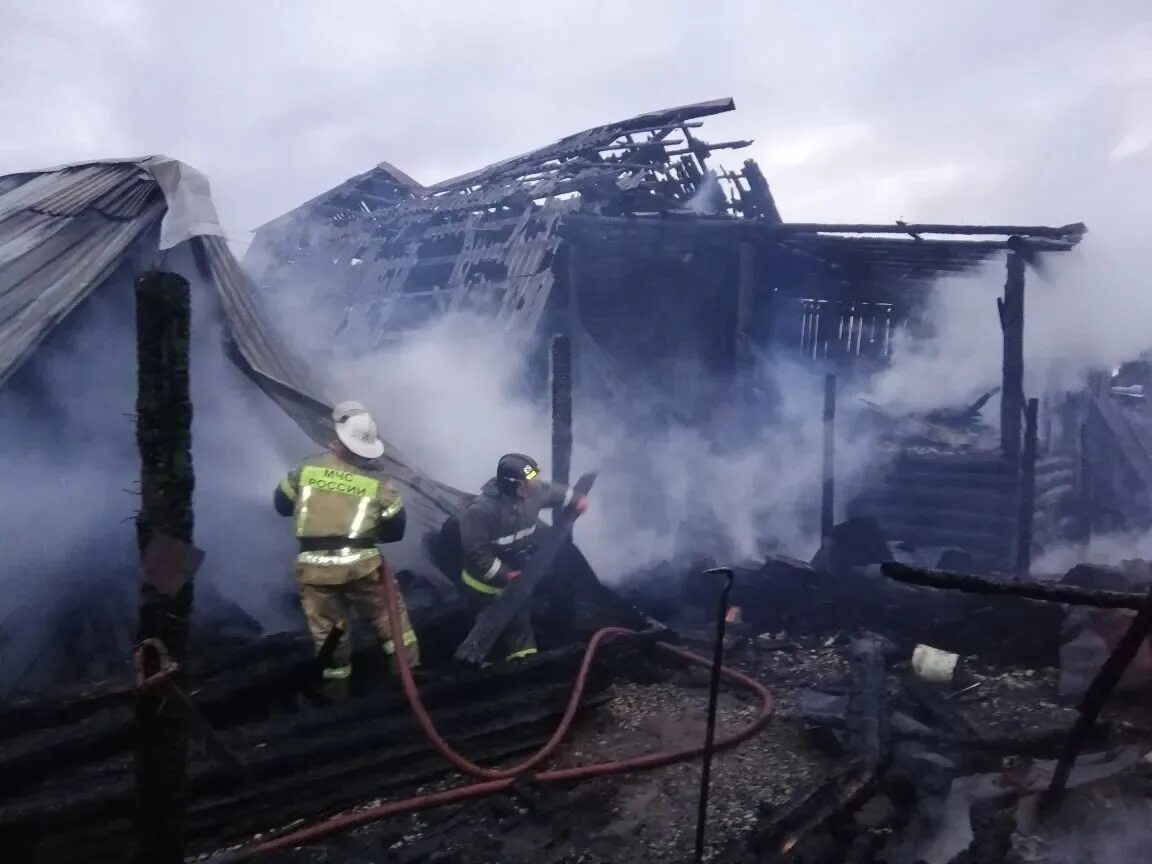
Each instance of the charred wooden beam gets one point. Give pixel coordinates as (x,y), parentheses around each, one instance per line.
(280,753)
(1035,238)
(868,724)
(1095,700)
(226,817)
(1011,308)
(316,761)
(759,200)
(1076,230)
(836,798)
(944,712)
(247,672)
(164,438)
(828,485)
(561,410)
(1086,496)
(993,822)
(1030,590)
(1027,498)
(870,740)
(744,359)
(42,755)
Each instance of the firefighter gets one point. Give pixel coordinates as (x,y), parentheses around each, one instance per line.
(343,508)
(497,533)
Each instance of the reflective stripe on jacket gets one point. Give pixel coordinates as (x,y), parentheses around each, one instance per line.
(497,532)
(347,505)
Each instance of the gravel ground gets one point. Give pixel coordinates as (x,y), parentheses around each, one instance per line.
(645,817)
(650,817)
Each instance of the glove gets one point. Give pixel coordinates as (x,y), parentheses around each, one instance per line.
(512,574)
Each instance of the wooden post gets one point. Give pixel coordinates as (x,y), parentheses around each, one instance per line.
(745,298)
(827,503)
(1012,380)
(1095,700)
(1027,498)
(164,532)
(561,409)
(1086,495)
(571,312)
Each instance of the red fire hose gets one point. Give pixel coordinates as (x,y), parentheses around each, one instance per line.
(498,780)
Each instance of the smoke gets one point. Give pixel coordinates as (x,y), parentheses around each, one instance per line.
(1108,826)
(1084,310)
(454,396)
(708,197)
(70,461)
(1105,549)
(242,445)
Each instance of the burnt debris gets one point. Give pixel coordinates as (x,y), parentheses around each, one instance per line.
(902,707)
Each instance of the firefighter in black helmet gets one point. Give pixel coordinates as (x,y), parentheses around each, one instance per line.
(497,532)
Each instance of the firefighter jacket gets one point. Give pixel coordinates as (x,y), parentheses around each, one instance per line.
(497,532)
(341,511)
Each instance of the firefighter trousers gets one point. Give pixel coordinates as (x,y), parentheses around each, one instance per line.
(328,605)
(518,639)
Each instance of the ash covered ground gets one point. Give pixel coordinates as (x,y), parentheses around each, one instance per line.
(651,816)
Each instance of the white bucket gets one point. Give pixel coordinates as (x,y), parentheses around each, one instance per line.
(932,664)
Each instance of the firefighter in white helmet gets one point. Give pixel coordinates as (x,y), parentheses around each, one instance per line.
(343,507)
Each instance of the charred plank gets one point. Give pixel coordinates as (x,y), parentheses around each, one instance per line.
(1030,590)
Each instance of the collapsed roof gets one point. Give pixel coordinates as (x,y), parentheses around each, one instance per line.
(65,230)
(392,253)
(72,239)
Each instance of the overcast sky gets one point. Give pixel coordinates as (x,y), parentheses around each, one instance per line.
(860,110)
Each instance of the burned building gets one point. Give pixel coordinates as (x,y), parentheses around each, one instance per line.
(613,227)
(626,237)
(670,276)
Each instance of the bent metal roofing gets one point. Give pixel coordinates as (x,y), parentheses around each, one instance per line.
(65,230)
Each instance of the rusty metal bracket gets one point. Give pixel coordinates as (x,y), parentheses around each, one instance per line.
(152,653)
(162,661)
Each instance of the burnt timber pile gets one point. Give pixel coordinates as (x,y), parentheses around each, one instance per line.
(69,779)
(864,762)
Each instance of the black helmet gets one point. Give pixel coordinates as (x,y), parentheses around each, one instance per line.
(514,469)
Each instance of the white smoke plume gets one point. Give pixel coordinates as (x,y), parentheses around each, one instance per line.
(70,558)
(708,197)
(1084,310)
(451,396)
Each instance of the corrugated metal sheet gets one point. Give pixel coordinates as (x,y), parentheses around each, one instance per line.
(56,246)
(64,231)
(298,390)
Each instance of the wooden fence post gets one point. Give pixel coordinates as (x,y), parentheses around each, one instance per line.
(164,532)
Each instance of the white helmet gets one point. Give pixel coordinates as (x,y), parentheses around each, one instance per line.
(357,430)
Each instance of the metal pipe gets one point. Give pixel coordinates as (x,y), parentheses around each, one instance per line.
(713,698)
